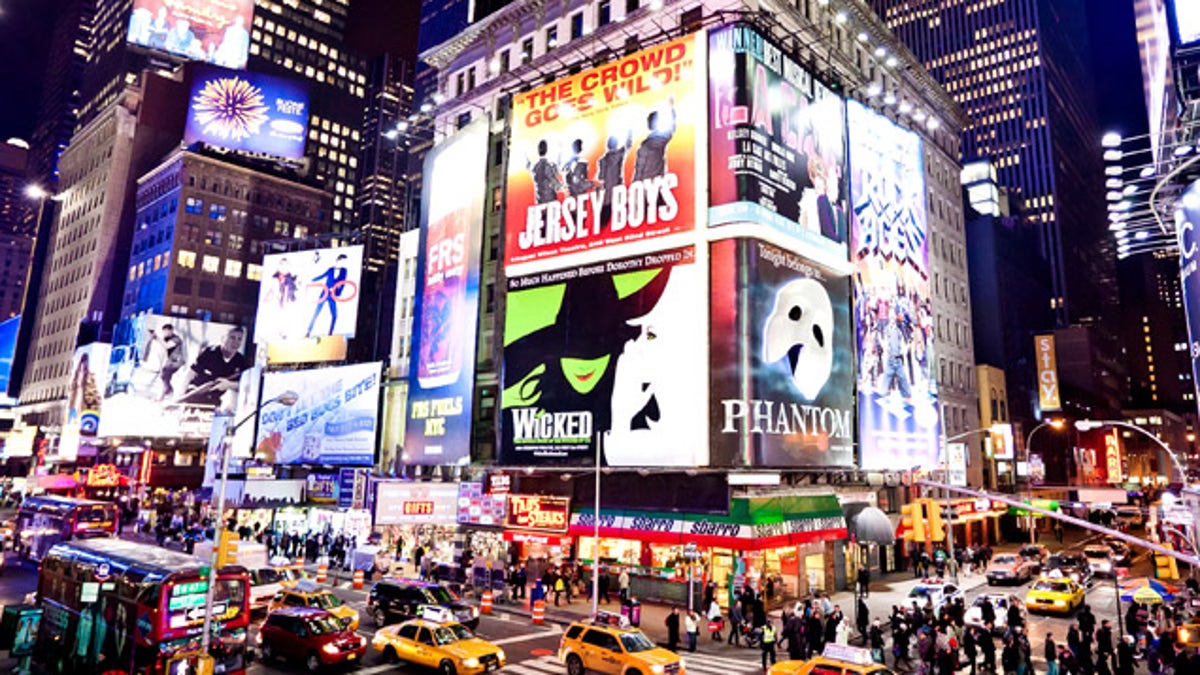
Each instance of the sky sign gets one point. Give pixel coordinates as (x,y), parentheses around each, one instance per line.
(606,354)
(777,143)
(215,31)
(446,307)
(334,422)
(1187,220)
(249,112)
(306,294)
(606,156)
(167,376)
(898,416)
(782,366)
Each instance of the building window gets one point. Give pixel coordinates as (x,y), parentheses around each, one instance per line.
(458,84)
(212,237)
(632,6)
(183,285)
(211,264)
(254,272)
(604,13)
(194,206)
(471,78)
(576,25)
(551,37)
(464,118)
(208,289)
(504,65)
(187,259)
(216,212)
(527,50)
(233,268)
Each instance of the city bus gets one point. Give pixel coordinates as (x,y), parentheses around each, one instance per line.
(44,521)
(113,605)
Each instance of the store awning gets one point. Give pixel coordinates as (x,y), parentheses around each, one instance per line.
(753,523)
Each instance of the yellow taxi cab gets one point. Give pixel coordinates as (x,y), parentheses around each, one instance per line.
(834,660)
(1057,595)
(449,647)
(607,644)
(307,594)
(1188,635)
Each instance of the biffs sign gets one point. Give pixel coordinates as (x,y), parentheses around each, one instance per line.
(605,156)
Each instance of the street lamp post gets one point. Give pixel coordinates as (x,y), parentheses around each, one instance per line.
(1088,425)
(1056,424)
(287,398)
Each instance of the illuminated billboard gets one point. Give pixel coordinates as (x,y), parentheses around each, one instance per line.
(898,418)
(250,112)
(216,31)
(8,350)
(606,156)
(307,294)
(1187,220)
(400,503)
(777,143)
(782,359)
(167,376)
(1187,21)
(609,354)
(334,421)
(446,301)
(1154,50)
(89,373)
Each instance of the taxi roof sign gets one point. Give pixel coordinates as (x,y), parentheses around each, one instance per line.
(856,655)
(605,618)
(435,613)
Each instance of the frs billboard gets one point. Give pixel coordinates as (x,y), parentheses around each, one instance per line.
(251,112)
(334,422)
(782,359)
(216,31)
(446,309)
(606,156)
(1187,220)
(777,143)
(611,353)
(897,390)
(167,376)
(308,294)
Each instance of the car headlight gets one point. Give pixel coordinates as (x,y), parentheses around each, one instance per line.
(656,668)
(1060,603)
(475,611)
(500,655)
(362,641)
(471,662)
(329,648)
(682,665)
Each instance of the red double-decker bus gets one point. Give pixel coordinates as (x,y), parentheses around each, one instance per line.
(42,522)
(113,605)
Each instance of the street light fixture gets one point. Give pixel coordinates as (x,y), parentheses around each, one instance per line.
(1088,425)
(287,398)
(1058,425)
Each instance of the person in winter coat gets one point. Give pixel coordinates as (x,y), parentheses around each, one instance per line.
(768,644)
(736,619)
(691,626)
(714,619)
(1125,657)
(841,633)
(874,641)
(1051,655)
(673,629)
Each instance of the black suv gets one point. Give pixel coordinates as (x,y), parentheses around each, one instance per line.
(1072,564)
(395,600)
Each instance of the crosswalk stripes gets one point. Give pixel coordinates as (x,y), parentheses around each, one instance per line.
(701,664)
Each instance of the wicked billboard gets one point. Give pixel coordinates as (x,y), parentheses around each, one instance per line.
(782,363)
(606,156)
(606,355)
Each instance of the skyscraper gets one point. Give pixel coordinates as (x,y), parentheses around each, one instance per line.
(70,45)
(1019,69)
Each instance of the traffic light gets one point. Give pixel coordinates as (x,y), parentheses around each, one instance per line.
(912,523)
(937,527)
(226,548)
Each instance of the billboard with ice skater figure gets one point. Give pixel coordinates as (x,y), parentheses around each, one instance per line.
(897,389)
(308,294)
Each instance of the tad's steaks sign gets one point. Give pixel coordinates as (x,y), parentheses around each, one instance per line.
(536,512)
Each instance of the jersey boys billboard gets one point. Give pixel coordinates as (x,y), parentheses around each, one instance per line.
(606,354)
(777,143)
(897,391)
(446,310)
(606,156)
(782,360)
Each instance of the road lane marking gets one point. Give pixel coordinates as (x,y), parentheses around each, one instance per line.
(523,638)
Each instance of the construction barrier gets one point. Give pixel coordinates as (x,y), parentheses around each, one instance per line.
(322,573)
(485,603)
(358,579)
(539,612)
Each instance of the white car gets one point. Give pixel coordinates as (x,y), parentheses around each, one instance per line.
(1000,603)
(1100,559)
(935,590)
(264,586)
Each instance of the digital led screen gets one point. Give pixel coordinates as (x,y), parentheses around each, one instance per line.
(249,112)
(1187,220)
(215,31)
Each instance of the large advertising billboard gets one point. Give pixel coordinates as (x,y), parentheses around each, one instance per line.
(1187,21)
(611,354)
(166,376)
(777,143)
(89,373)
(334,420)
(782,359)
(251,112)
(216,31)
(606,156)
(1187,220)
(8,350)
(446,301)
(308,294)
(898,416)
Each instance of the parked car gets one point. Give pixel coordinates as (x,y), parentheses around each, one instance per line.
(1130,517)
(1100,560)
(311,636)
(394,600)
(1009,568)
(1000,604)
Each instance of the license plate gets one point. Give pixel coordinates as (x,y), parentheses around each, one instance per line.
(352,656)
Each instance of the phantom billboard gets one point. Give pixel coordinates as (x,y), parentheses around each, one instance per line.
(446,307)
(777,144)
(308,294)
(782,359)
(609,354)
(215,31)
(250,112)
(889,242)
(606,156)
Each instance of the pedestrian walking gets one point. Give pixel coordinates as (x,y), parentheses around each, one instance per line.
(736,619)
(673,630)
(623,584)
(714,620)
(768,644)
(1051,655)
(691,625)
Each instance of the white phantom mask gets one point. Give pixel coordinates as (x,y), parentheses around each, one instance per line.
(800,327)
